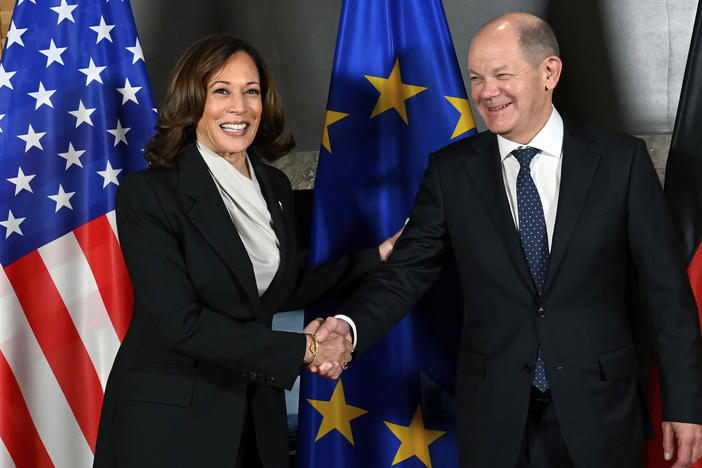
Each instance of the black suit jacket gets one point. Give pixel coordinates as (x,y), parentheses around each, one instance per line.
(200,351)
(611,220)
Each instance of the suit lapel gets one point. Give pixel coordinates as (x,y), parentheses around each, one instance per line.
(485,171)
(577,172)
(277,211)
(211,218)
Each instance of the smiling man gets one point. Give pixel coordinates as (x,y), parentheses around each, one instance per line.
(554,226)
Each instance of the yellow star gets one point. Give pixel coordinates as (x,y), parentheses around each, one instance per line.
(329,118)
(415,439)
(466,121)
(393,92)
(336,414)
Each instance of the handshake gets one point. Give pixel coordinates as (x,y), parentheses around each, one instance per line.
(329,342)
(329,347)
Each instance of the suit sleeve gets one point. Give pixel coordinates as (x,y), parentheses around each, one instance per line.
(665,293)
(332,280)
(389,292)
(166,297)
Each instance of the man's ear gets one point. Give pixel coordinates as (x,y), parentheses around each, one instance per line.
(552,67)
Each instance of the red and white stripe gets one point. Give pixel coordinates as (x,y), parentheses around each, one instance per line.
(63,311)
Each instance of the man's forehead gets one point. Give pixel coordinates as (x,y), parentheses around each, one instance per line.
(494,54)
(493,70)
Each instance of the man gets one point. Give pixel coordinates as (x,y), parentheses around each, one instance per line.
(552,225)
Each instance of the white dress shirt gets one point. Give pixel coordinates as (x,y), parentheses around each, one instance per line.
(545,169)
(249,213)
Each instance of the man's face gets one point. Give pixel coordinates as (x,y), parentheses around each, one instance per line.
(511,96)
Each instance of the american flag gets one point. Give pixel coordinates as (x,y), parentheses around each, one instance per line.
(75,113)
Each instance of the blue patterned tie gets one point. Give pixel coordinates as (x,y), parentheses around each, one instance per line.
(532,229)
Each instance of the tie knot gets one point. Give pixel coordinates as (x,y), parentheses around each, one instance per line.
(524,155)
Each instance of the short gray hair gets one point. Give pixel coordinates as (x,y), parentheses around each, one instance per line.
(537,41)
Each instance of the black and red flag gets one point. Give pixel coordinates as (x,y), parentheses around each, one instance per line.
(683,188)
(683,179)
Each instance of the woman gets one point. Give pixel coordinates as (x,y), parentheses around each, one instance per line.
(207,234)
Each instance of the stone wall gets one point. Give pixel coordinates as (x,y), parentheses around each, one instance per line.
(658,147)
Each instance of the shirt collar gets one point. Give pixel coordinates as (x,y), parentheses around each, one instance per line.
(549,140)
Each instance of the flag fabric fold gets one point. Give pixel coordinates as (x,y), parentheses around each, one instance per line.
(684,166)
(396,94)
(684,193)
(75,112)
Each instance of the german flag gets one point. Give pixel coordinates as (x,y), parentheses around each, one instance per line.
(683,188)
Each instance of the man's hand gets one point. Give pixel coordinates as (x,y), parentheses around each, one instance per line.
(689,442)
(333,357)
(333,325)
(331,330)
(333,351)
(386,248)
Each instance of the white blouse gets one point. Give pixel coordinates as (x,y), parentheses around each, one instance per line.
(248,210)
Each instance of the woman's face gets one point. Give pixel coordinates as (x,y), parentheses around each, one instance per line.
(233,108)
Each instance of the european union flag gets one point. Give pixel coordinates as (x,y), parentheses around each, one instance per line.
(396,95)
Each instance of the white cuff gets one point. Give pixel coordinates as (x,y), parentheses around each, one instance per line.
(351,324)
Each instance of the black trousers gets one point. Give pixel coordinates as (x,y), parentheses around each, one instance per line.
(543,445)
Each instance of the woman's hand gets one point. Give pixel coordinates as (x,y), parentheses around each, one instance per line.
(388,244)
(311,348)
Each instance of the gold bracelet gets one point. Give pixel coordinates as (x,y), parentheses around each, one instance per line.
(314,347)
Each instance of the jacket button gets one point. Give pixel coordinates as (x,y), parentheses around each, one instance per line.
(270,380)
(527,368)
(541,312)
(559,368)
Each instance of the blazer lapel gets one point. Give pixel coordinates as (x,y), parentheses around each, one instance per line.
(277,211)
(577,172)
(485,171)
(211,218)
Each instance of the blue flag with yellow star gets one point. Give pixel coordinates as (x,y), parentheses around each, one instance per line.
(396,95)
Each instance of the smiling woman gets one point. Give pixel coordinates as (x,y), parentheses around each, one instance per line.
(202,85)
(232,111)
(209,241)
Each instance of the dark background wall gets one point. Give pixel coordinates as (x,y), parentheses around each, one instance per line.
(624,59)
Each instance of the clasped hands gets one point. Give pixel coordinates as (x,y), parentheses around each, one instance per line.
(329,342)
(334,347)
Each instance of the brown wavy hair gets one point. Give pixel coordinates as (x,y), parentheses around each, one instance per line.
(187,93)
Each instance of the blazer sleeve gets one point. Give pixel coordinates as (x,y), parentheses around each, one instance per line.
(390,291)
(167,298)
(332,280)
(665,292)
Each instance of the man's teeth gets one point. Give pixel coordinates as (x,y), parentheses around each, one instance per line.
(499,107)
(234,127)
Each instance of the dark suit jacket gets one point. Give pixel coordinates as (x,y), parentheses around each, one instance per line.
(199,350)
(611,219)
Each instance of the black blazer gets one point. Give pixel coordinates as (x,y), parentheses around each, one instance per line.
(612,219)
(200,351)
